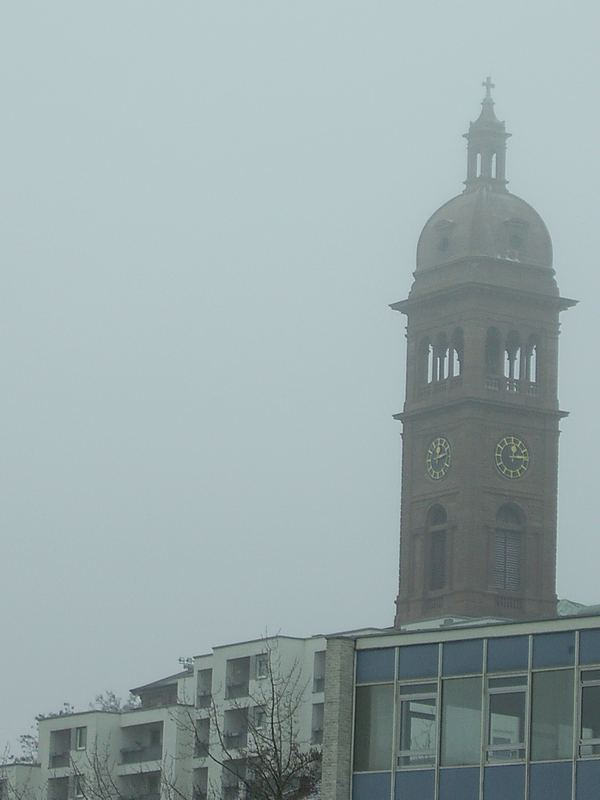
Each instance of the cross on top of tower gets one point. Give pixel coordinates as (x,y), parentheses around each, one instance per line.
(488,85)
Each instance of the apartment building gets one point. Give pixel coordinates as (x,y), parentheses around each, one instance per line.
(189,737)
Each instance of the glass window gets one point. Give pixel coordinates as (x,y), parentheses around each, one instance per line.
(375,666)
(415,784)
(506,719)
(589,647)
(459,783)
(588,780)
(80,738)
(554,649)
(462,658)
(461,722)
(418,661)
(590,713)
(261,665)
(508,653)
(552,715)
(78,786)
(504,781)
(374,786)
(550,781)
(373,728)
(418,725)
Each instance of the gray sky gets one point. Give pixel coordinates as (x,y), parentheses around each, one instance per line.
(205,208)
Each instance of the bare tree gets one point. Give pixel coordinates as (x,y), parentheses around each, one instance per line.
(256,739)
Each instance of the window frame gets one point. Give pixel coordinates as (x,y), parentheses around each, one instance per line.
(81,737)
(490,691)
(413,694)
(581,742)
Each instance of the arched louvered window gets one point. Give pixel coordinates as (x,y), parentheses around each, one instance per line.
(508,545)
(437,537)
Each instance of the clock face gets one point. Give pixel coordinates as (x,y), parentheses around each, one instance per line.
(438,458)
(512,457)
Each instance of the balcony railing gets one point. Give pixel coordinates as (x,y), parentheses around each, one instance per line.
(136,754)
(201,748)
(499,383)
(59,760)
(235,738)
(237,689)
(204,699)
(144,796)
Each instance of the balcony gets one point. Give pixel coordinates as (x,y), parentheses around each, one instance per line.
(59,760)
(204,699)
(200,748)
(498,383)
(136,754)
(58,789)
(235,739)
(235,689)
(143,796)
(237,677)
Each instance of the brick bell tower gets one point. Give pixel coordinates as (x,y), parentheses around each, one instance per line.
(481,417)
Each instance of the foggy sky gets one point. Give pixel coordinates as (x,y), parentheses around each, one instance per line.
(206,208)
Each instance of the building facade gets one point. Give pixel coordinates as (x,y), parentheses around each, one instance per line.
(508,711)
(191,736)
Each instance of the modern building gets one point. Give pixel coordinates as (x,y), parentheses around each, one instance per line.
(504,711)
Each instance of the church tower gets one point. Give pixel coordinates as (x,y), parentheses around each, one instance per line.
(481,417)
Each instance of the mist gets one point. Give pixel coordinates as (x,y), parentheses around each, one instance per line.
(206,209)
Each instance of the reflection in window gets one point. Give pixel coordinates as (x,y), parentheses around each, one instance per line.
(418,725)
(508,654)
(589,647)
(463,658)
(373,666)
(590,713)
(461,722)
(552,715)
(506,718)
(418,661)
(554,649)
(373,728)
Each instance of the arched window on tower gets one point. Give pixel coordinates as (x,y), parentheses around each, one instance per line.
(437,536)
(478,168)
(508,546)
(494,165)
(456,353)
(492,358)
(441,360)
(425,362)
(512,361)
(531,361)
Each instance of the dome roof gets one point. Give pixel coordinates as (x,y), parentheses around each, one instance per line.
(485,221)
